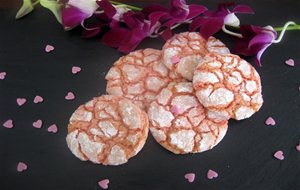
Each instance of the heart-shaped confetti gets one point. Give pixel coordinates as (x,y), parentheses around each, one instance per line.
(104,183)
(70,96)
(49,48)
(38,99)
(279,155)
(270,121)
(298,147)
(21,167)
(37,124)
(8,124)
(21,101)
(290,62)
(2,75)
(76,69)
(52,129)
(212,174)
(190,177)
(175,59)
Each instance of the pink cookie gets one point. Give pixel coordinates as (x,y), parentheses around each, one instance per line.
(183,52)
(139,76)
(107,130)
(185,128)
(228,87)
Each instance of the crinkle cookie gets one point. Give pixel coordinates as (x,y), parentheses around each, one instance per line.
(228,86)
(107,130)
(184,51)
(179,123)
(139,76)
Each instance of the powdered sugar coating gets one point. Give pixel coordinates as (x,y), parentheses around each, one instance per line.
(139,76)
(179,123)
(107,130)
(228,86)
(188,49)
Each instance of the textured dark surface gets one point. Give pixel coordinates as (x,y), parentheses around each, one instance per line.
(244,159)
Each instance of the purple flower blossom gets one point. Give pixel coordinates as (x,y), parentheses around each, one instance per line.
(255,41)
(178,13)
(130,33)
(76,11)
(212,22)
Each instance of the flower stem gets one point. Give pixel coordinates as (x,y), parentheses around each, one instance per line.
(283,29)
(294,27)
(127,6)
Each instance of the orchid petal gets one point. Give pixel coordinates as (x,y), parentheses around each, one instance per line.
(198,22)
(263,38)
(155,16)
(116,36)
(55,7)
(243,9)
(109,10)
(232,20)
(72,17)
(154,8)
(195,10)
(26,8)
(86,6)
(211,27)
(167,34)
(179,9)
(129,19)
(259,54)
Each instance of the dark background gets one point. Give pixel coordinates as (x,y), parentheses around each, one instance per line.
(243,160)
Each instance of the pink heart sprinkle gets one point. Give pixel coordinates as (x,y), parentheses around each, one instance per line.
(190,177)
(2,75)
(37,124)
(279,155)
(70,96)
(290,62)
(298,147)
(21,101)
(49,48)
(212,174)
(270,121)
(8,124)
(175,59)
(38,99)
(21,167)
(76,69)
(104,183)
(52,129)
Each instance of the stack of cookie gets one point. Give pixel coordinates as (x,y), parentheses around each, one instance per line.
(185,94)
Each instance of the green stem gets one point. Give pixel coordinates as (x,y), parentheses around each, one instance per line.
(293,27)
(127,6)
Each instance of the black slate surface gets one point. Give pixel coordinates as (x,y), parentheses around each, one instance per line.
(243,160)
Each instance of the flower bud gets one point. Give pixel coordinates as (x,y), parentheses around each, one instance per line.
(86,6)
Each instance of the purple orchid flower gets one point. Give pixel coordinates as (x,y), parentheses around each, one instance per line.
(179,13)
(212,22)
(76,11)
(127,38)
(255,40)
